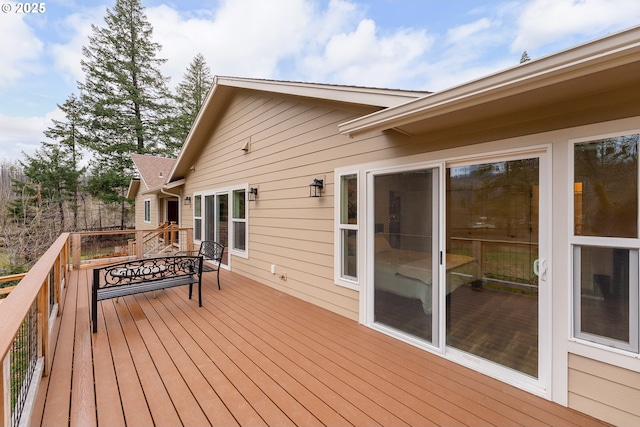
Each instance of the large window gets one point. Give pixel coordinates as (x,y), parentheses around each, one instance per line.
(347,230)
(239,220)
(605,241)
(221,214)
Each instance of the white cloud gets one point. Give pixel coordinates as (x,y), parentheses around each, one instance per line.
(21,134)
(76,29)
(254,38)
(20,49)
(544,22)
(243,38)
(365,57)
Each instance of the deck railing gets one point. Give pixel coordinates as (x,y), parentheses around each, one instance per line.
(107,246)
(502,263)
(26,320)
(31,309)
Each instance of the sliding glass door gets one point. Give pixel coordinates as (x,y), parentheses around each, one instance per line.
(492,301)
(216,220)
(458,261)
(406,252)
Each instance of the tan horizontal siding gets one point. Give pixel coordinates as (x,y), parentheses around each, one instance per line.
(604,391)
(336,299)
(292,142)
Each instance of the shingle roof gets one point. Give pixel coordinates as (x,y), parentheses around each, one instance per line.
(153,170)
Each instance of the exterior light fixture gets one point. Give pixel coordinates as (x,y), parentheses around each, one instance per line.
(253,193)
(187,200)
(315,188)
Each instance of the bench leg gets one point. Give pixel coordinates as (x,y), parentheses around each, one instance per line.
(94,314)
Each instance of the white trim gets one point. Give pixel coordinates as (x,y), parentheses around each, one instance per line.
(228,191)
(588,58)
(337,237)
(30,400)
(600,348)
(540,386)
(144,211)
(232,250)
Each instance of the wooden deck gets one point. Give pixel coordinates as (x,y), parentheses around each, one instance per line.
(254,356)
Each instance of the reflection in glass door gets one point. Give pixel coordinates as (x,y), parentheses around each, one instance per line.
(222,223)
(209,217)
(406,252)
(492,301)
(216,217)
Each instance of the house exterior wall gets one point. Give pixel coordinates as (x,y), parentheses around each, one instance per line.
(604,391)
(140,223)
(584,376)
(293,141)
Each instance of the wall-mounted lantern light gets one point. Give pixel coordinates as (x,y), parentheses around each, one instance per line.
(187,200)
(315,188)
(253,193)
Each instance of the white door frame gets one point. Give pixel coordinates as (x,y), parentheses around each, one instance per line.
(541,385)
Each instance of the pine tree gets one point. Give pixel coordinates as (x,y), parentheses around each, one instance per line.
(525,57)
(52,182)
(69,135)
(190,95)
(124,96)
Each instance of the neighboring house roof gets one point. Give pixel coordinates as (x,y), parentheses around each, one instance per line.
(153,171)
(225,87)
(609,66)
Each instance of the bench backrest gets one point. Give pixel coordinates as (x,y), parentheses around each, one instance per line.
(211,250)
(146,270)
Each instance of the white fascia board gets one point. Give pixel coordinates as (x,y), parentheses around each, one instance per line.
(167,186)
(597,55)
(348,94)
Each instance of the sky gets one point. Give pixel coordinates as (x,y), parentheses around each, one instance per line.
(427,45)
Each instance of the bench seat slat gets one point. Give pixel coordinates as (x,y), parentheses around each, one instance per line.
(124,290)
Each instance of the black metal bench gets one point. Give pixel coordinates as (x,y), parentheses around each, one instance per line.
(143,275)
(210,251)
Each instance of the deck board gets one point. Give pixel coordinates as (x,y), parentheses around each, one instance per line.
(199,389)
(109,405)
(56,411)
(254,356)
(83,411)
(371,364)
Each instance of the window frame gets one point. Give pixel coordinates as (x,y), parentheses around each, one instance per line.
(576,242)
(235,221)
(147,211)
(230,192)
(197,230)
(339,244)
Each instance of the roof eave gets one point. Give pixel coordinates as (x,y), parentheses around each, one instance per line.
(597,55)
(382,98)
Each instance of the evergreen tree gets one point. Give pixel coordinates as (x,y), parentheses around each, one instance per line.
(69,136)
(52,181)
(124,96)
(190,95)
(525,57)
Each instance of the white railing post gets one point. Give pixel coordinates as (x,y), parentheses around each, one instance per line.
(5,385)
